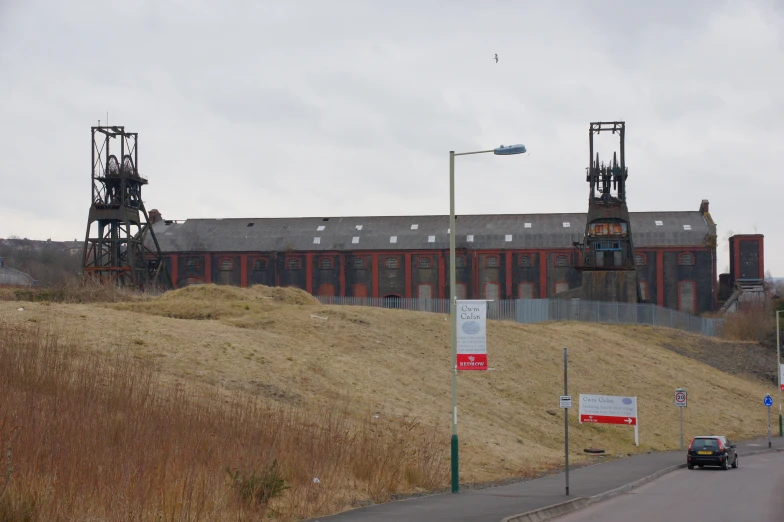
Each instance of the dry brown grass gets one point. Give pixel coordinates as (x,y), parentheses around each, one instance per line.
(396,364)
(751,323)
(94,437)
(74,293)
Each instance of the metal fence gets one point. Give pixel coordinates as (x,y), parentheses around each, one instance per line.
(531,311)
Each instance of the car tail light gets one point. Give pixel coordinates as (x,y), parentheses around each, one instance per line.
(691,444)
(721,446)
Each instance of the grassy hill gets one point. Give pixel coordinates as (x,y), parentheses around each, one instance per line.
(383,378)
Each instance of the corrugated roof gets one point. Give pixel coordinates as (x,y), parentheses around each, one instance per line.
(11,276)
(515,231)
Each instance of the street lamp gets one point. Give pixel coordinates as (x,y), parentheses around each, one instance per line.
(500,151)
(778,367)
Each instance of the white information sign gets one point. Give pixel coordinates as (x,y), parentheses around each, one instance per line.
(781,376)
(608,409)
(566,401)
(471,335)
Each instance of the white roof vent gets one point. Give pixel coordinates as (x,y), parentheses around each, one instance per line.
(566,224)
(316,240)
(508,237)
(393,239)
(659,223)
(686,227)
(414,226)
(527,225)
(355,240)
(470,238)
(431,239)
(358,227)
(320,228)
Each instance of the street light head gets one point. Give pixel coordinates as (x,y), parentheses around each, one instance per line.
(509,150)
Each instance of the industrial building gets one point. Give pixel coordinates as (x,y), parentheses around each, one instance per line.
(12,277)
(498,256)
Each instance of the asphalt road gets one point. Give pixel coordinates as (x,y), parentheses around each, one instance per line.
(753,491)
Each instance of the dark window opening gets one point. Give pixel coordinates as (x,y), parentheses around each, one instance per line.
(639,259)
(259,264)
(250,224)
(424,262)
(526,262)
(193,264)
(686,259)
(359,263)
(325,263)
(226,264)
(292,264)
(460,262)
(491,262)
(561,261)
(391,262)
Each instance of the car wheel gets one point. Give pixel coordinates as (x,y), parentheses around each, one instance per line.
(735,462)
(690,466)
(725,464)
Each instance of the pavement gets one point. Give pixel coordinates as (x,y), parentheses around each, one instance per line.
(533,497)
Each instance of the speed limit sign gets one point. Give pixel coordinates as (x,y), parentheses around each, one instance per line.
(680,397)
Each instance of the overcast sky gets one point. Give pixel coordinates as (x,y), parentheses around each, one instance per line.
(314,108)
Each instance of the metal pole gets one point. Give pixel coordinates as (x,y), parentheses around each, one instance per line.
(453,317)
(778,366)
(566,420)
(769,442)
(681,410)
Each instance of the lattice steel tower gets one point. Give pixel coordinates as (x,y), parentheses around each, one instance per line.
(120,246)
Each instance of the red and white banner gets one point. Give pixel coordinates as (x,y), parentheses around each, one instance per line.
(608,409)
(781,376)
(471,335)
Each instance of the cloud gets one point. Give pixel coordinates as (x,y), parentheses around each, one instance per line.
(312,108)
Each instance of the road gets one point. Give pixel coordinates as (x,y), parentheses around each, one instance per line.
(753,491)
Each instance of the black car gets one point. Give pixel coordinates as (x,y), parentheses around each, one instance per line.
(711,450)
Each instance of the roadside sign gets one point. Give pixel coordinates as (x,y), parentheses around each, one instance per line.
(608,409)
(768,401)
(680,398)
(566,401)
(781,376)
(471,335)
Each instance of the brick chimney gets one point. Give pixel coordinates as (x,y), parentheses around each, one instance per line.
(155,216)
(704,206)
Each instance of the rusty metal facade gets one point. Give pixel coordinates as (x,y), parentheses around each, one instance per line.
(120,246)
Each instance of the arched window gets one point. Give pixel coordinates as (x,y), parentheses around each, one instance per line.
(259,264)
(526,262)
(639,259)
(491,261)
(359,263)
(193,265)
(391,262)
(561,260)
(226,264)
(460,262)
(686,259)
(292,263)
(424,262)
(326,263)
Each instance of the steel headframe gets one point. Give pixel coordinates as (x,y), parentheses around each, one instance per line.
(120,246)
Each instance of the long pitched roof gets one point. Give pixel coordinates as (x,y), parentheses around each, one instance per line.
(502,231)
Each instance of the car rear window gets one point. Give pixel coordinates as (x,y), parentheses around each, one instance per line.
(705,443)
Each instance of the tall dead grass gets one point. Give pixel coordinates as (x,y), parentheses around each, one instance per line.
(75,293)
(750,323)
(88,437)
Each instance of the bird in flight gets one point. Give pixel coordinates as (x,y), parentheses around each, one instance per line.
(496,58)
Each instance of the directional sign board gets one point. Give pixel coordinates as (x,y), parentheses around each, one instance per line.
(680,398)
(566,401)
(768,401)
(608,409)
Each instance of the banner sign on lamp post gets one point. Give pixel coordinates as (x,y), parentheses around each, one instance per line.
(781,376)
(471,335)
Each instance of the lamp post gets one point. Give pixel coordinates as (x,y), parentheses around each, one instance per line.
(500,151)
(778,367)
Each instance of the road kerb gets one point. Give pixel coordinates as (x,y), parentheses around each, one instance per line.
(557,510)
(550,512)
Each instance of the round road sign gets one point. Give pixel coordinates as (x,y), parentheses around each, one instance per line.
(768,401)
(680,398)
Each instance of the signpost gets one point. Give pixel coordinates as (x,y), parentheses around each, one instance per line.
(610,409)
(566,403)
(471,335)
(768,402)
(680,401)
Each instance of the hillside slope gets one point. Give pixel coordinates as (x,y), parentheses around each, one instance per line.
(283,345)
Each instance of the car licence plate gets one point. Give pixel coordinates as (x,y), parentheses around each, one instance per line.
(704,453)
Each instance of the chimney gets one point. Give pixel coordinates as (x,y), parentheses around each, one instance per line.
(155,216)
(704,206)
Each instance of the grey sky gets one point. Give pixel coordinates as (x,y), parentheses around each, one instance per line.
(350,108)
